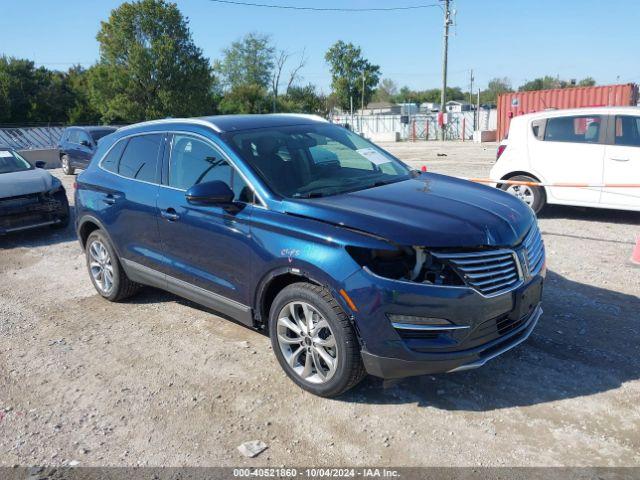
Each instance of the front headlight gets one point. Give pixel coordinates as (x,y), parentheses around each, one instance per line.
(414,264)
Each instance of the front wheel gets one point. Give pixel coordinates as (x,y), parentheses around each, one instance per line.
(314,341)
(532,196)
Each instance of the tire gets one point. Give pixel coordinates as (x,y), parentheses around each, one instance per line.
(535,197)
(121,287)
(318,378)
(67,169)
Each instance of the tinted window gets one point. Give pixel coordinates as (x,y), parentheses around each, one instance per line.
(98,134)
(110,161)
(73,136)
(83,137)
(315,160)
(140,158)
(578,129)
(195,161)
(627,131)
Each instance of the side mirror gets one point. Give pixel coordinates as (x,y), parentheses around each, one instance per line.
(40,164)
(210,193)
(86,143)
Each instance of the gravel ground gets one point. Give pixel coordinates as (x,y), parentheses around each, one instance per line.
(160,381)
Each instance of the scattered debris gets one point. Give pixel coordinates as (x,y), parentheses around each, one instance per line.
(253,448)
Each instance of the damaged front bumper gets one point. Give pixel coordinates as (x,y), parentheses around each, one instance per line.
(480,327)
(32,211)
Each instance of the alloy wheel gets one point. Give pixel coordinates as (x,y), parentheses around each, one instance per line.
(101,267)
(523,192)
(307,342)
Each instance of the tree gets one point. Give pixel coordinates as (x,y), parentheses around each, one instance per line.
(248,61)
(495,87)
(81,109)
(248,98)
(587,82)
(348,67)
(547,82)
(303,100)
(32,95)
(149,66)
(385,91)
(280,60)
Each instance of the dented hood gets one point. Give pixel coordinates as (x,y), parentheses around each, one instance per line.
(25,182)
(431,210)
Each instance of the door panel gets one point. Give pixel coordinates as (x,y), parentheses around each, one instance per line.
(622,163)
(571,151)
(129,200)
(206,246)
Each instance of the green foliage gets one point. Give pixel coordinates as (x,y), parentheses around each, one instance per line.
(548,82)
(32,95)
(347,69)
(149,66)
(245,98)
(248,61)
(302,100)
(495,87)
(386,91)
(432,95)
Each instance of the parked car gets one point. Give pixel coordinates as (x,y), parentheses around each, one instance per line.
(350,260)
(30,197)
(78,144)
(588,146)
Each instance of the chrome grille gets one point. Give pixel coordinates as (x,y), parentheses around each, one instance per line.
(489,272)
(535,250)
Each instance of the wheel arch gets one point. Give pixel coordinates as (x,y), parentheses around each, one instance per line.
(88,224)
(537,178)
(272,284)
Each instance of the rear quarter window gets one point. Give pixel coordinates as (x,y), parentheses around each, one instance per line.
(140,158)
(574,129)
(111,159)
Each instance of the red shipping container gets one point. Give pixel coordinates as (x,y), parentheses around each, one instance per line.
(519,103)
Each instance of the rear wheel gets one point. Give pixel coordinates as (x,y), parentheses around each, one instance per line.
(66,165)
(105,270)
(532,196)
(314,341)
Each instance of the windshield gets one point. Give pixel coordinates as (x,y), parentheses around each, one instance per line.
(307,161)
(11,161)
(98,134)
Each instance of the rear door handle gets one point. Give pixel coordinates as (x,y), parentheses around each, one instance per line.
(109,199)
(619,159)
(170,214)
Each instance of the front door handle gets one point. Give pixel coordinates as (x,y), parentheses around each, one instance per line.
(619,159)
(170,214)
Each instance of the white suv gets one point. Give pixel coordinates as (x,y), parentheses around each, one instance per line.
(594,146)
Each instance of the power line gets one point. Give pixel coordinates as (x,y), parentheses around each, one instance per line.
(326,9)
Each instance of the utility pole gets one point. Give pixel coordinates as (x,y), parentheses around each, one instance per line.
(471,79)
(364,73)
(445,48)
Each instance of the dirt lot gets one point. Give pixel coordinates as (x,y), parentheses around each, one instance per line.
(158,381)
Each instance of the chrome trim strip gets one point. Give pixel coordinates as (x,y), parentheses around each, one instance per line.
(532,323)
(169,121)
(28,227)
(412,326)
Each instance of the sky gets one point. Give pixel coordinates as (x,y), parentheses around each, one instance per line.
(517,39)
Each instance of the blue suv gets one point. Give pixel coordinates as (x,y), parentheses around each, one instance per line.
(77,146)
(351,261)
